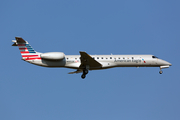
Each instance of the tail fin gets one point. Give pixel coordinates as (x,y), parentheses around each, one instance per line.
(27,52)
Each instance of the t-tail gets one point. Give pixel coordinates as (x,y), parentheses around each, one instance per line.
(27,52)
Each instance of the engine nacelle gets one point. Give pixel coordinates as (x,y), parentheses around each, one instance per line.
(53,56)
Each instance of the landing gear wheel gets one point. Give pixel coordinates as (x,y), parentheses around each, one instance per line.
(83,76)
(160,72)
(85,71)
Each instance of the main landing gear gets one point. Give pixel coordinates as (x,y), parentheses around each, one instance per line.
(85,72)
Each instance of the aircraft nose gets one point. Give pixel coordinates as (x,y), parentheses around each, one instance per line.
(170,64)
(166,63)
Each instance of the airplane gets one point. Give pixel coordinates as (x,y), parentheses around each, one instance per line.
(85,62)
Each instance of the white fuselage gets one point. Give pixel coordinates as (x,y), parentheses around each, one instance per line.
(84,62)
(107,61)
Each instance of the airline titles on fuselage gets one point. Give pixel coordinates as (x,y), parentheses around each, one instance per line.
(135,61)
(124,60)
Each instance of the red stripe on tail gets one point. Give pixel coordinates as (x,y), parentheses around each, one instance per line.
(24,52)
(22,48)
(21,45)
(29,55)
(33,58)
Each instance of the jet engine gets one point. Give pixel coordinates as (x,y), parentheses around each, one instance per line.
(53,56)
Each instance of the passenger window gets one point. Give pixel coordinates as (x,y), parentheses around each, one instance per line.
(132,57)
(123,57)
(97,57)
(102,58)
(119,58)
(110,57)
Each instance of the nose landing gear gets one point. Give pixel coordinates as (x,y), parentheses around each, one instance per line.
(160,72)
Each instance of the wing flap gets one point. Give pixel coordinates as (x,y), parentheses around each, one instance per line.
(77,71)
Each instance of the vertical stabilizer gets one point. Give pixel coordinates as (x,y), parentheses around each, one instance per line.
(27,52)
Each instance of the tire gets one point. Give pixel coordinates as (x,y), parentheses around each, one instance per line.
(160,72)
(83,76)
(85,71)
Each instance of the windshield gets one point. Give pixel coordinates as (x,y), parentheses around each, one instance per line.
(154,57)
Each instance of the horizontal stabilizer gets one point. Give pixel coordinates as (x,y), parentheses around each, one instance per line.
(14,41)
(18,40)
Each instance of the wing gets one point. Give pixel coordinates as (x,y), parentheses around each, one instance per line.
(77,71)
(88,61)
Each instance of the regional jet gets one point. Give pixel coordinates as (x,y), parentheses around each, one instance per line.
(85,62)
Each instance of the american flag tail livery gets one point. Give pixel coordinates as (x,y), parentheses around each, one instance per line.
(27,52)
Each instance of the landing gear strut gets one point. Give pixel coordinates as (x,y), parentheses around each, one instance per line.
(85,72)
(160,72)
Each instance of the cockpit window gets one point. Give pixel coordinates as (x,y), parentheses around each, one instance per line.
(154,57)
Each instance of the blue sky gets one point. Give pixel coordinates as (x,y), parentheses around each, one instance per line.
(97,27)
